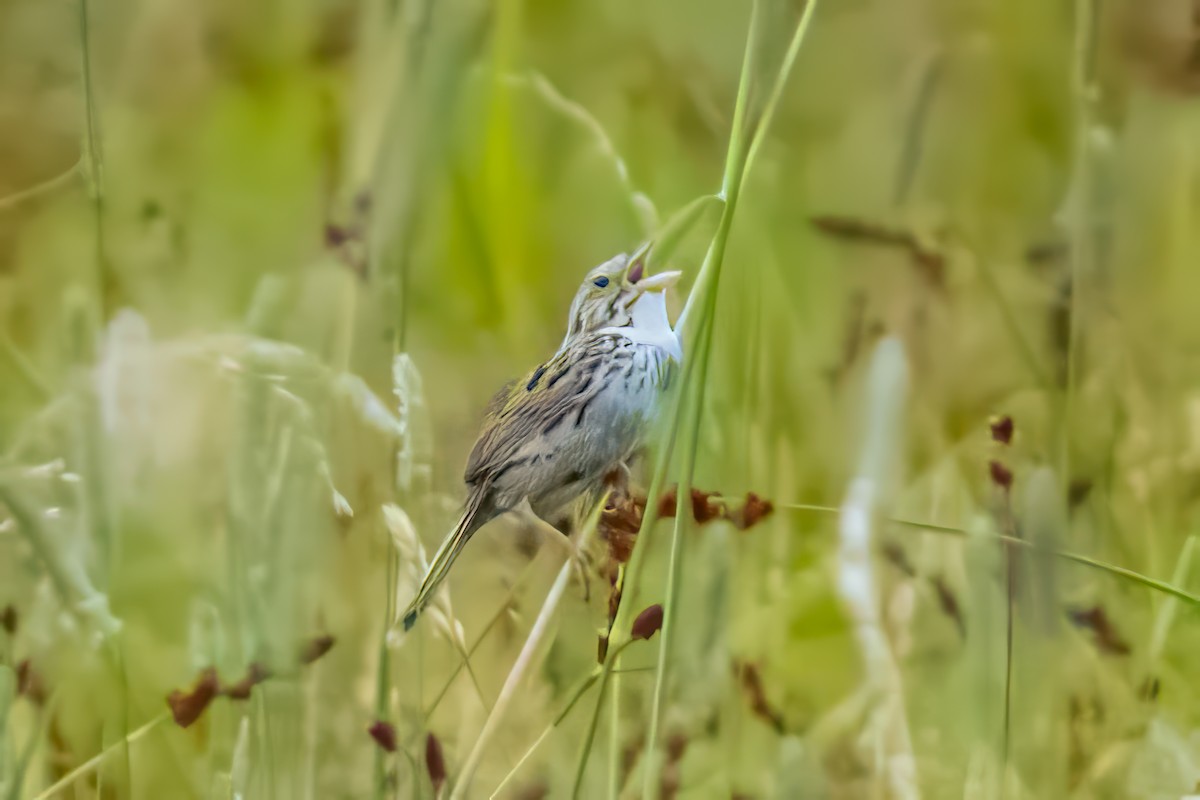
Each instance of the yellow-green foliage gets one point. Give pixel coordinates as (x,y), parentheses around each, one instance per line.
(263,264)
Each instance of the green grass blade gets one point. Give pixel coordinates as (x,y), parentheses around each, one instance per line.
(95,761)
(1114,570)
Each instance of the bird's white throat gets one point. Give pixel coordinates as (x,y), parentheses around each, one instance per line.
(651,325)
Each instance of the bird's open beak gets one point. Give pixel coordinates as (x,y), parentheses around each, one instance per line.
(659,282)
(653,283)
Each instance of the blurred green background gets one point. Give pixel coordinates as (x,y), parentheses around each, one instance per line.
(263,264)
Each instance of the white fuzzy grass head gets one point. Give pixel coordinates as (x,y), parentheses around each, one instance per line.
(413,563)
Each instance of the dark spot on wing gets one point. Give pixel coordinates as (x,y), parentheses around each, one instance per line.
(537,376)
(555,379)
(553,422)
(579,416)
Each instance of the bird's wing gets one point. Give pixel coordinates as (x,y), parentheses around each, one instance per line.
(533,406)
(487,433)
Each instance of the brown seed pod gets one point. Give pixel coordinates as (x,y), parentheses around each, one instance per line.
(1001,475)
(753,511)
(435,762)
(647,623)
(1002,429)
(316,647)
(384,734)
(186,707)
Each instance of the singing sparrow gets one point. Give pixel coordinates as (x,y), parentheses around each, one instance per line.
(552,437)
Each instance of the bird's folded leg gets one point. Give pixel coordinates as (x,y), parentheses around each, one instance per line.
(619,479)
(579,557)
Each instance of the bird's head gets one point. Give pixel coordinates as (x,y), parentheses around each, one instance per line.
(606,297)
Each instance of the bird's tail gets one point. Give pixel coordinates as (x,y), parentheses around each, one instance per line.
(473,517)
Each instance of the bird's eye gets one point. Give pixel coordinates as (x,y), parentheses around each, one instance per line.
(601,281)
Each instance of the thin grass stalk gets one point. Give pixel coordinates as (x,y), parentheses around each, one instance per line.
(687,217)
(614,732)
(730,187)
(1166,613)
(464,662)
(380,68)
(440,611)
(501,610)
(524,659)
(630,576)
(590,737)
(605,675)
(1081,223)
(619,631)
(384,671)
(371,129)
(94,157)
(691,405)
(1010,612)
(504,224)
(692,402)
(374,162)
(47,186)
(731,181)
(665,244)
(777,87)
(93,763)
(1009,318)
(114,649)
(669,236)
(741,170)
(641,205)
(579,692)
(517,767)
(735,168)
(521,666)
(432,100)
(1013,541)
(912,149)
(651,784)
(417,108)
(739,159)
